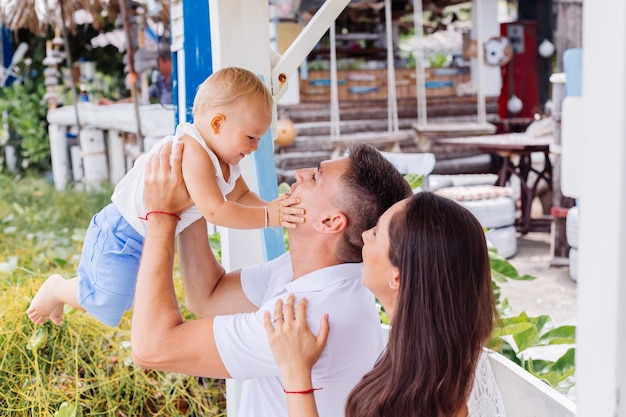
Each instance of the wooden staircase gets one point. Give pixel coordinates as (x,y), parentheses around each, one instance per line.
(358,120)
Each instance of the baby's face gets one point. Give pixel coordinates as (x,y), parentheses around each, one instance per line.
(240,131)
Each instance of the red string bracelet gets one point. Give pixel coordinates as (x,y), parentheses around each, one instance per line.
(306,391)
(159,212)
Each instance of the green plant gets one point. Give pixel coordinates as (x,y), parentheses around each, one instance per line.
(438,60)
(86,366)
(516,336)
(415,181)
(81,368)
(24,113)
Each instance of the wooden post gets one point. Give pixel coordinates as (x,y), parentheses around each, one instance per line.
(568,35)
(560,203)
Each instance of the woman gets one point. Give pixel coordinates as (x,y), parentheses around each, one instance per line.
(426,262)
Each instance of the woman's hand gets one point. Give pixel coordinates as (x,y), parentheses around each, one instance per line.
(295,348)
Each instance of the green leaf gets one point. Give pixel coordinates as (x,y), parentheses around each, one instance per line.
(503,270)
(526,339)
(539,366)
(66,410)
(283,188)
(39,338)
(563,335)
(513,329)
(546,371)
(507,350)
(414,180)
(566,363)
(529,329)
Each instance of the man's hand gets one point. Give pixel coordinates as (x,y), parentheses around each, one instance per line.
(165,188)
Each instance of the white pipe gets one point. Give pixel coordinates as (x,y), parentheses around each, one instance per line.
(392,102)
(420,78)
(480,93)
(334,93)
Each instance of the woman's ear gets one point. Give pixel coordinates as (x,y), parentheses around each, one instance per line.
(334,222)
(394,280)
(216,122)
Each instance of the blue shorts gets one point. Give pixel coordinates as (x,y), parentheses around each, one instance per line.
(108,266)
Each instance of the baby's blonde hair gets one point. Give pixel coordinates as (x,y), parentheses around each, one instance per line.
(229,86)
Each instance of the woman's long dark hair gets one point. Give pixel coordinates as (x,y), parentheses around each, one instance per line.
(444,313)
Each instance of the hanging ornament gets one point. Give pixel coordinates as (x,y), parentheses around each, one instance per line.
(514,105)
(546,48)
(286,132)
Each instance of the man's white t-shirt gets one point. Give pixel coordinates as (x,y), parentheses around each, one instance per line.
(354,343)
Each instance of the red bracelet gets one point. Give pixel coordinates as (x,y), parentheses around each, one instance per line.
(306,391)
(159,212)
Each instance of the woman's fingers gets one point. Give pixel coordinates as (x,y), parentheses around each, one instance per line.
(278,312)
(322,336)
(288,310)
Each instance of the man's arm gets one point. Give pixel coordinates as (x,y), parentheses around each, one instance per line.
(209,291)
(159,337)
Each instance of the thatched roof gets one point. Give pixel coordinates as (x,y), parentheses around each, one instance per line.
(312,5)
(38,16)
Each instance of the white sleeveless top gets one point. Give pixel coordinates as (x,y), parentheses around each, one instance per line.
(485,399)
(128,194)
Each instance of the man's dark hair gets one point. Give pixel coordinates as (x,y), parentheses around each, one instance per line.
(370,186)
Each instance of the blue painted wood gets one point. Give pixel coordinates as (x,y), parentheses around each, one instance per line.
(573,67)
(268,190)
(197,47)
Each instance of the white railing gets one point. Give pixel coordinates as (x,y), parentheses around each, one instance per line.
(106,144)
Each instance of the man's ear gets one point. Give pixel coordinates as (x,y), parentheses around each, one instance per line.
(334,222)
(216,122)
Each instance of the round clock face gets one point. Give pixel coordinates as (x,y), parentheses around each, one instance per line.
(497,51)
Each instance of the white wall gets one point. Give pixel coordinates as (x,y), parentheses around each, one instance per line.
(601,332)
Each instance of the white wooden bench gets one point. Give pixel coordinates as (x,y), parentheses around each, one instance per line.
(526,396)
(522,393)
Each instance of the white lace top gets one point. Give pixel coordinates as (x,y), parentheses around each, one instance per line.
(485,399)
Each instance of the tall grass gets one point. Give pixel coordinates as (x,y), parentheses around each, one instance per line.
(82,368)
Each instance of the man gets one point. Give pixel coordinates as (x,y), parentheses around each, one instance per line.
(342,198)
(161,88)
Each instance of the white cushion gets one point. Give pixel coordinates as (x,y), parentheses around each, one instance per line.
(475,192)
(436,182)
(504,239)
(493,206)
(474,179)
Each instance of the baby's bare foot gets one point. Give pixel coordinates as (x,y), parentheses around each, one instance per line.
(46,305)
